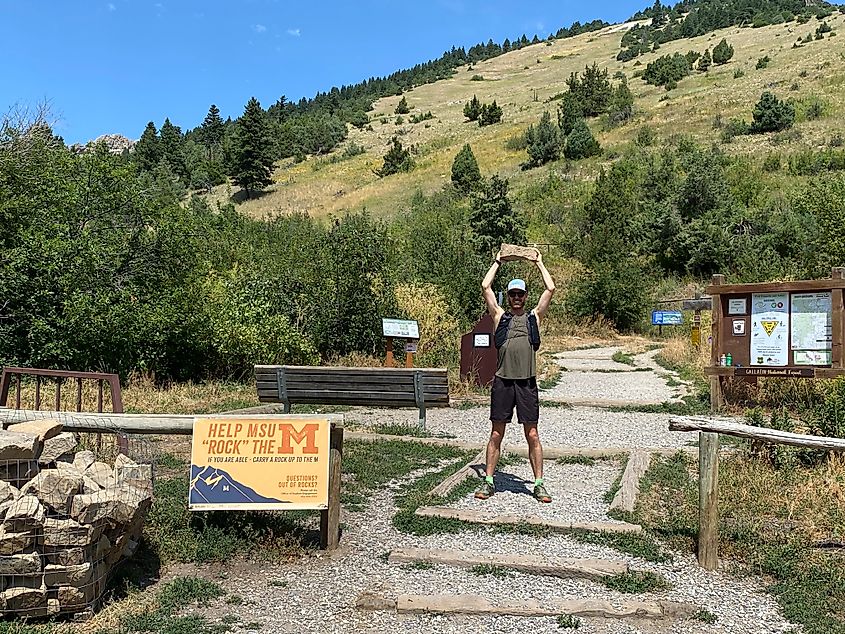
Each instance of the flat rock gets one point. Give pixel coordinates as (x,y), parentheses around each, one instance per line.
(515,252)
(19,599)
(67,533)
(84,459)
(19,446)
(8,492)
(24,515)
(61,556)
(101,473)
(78,575)
(98,508)
(56,447)
(14,543)
(43,429)
(55,488)
(23,564)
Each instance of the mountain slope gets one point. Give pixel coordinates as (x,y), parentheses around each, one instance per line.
(522,81)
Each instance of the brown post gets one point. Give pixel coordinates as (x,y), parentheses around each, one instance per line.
(78,395)
(390,362)
(37,392)
(100,396)
(116,397)
(17,391)
(409,357)
(716,400)
(708,500)
(836,321)
(58,407)
(330,518)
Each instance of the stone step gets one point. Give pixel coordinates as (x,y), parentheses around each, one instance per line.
(477,604)
(592,569)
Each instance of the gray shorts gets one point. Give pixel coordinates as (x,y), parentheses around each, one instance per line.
(508,394)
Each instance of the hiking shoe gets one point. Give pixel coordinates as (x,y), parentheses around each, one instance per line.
(485,490)
(541,494)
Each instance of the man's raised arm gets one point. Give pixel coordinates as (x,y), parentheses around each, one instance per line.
(493,307)
(548,282)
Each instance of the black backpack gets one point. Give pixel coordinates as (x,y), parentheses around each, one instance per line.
(504,327)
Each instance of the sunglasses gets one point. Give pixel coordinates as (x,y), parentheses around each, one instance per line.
(516,293)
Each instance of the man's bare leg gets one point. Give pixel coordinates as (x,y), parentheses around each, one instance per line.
(494,447)
(535,450)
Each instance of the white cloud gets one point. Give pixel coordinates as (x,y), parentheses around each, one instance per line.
(294,32)
(259,28)
(111,7)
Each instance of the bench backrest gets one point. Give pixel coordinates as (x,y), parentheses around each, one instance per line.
(385,387)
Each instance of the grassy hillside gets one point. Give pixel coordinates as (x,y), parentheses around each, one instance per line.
(523,81)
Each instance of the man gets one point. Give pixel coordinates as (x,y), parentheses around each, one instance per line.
(515,382)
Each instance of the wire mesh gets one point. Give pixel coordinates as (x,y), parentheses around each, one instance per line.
(72,508)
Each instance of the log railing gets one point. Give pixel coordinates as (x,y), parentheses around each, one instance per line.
(708,468)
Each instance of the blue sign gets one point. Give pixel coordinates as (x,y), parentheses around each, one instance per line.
(667,318)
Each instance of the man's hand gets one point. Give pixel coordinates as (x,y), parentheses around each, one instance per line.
(539,256)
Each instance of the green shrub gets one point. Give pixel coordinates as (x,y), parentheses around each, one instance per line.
(771,114)
(396,159)
(763,62)
(543,143)
(402,107)
(581,143)
(466,176)
(614,290)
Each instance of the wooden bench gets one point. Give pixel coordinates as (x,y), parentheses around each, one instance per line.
(375,387)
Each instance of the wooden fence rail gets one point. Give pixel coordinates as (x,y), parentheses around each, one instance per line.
(708,468)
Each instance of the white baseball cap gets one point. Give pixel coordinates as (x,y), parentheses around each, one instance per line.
(516,284)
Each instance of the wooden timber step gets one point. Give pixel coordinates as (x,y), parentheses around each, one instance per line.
(629,487)
(477,604)
(480,517)
(592,569)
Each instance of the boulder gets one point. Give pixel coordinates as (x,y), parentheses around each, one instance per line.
(23,564)
(26,514)
(61,556)
(18,446)
(67,533)
(28,601)
(77,575)
(84,459)
(56,447)
(72,597)
(55,488)
(13,543)
(8,492)
(89,486)
(42,429)
(101,473)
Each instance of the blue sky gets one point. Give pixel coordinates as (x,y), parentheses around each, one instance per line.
(111,66)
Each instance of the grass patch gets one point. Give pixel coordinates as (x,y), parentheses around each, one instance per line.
(253,625)
(567,621)
(278,583)
(501,572)
(705,616)
(419,565)
(397,429)
(620,356)
(614,488)
(769,520)
(584,460)
(688,406)
(234,599)
(555,404)
(640,545)
(636,582)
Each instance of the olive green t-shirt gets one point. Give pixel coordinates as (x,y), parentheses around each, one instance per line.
(516,356)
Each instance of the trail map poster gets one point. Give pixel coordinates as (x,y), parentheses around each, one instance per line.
(810,318)
(278,463)
(770,329)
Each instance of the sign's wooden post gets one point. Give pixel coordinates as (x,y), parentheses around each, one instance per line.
(836,320)
(716,400)
(409,358)
(330,518)
(389,362)
(708,500)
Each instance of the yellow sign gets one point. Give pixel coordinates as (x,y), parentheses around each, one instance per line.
(695,336)
(769,326)
(260,463)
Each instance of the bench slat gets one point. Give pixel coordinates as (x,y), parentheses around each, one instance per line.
(316,369)
(355,401)
(362,397)
(351,387)
(393,380)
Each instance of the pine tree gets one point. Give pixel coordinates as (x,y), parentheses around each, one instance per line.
(771,114)
(402,106)
(147,153)
(465,173)
(212,131)
(253,149)
(704,61)
(490,113)
(621,107)
(172,151)
(568,112)
(472,109)
(543,142)
(722,52)
(581,143)
(396,159)
(494,219)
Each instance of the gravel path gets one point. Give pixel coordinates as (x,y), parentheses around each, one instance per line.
(592,377)
(318,594)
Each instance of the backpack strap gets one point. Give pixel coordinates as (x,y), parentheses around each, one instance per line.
(502,329)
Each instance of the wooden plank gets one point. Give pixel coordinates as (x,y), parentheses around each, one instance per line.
(626,497)
(351,387)
(464,473)
(480,517)
(708,501)
(354,398)
(764,434)
(569,568)
(587,608)
(317,369)
(775,287)
(330,517)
